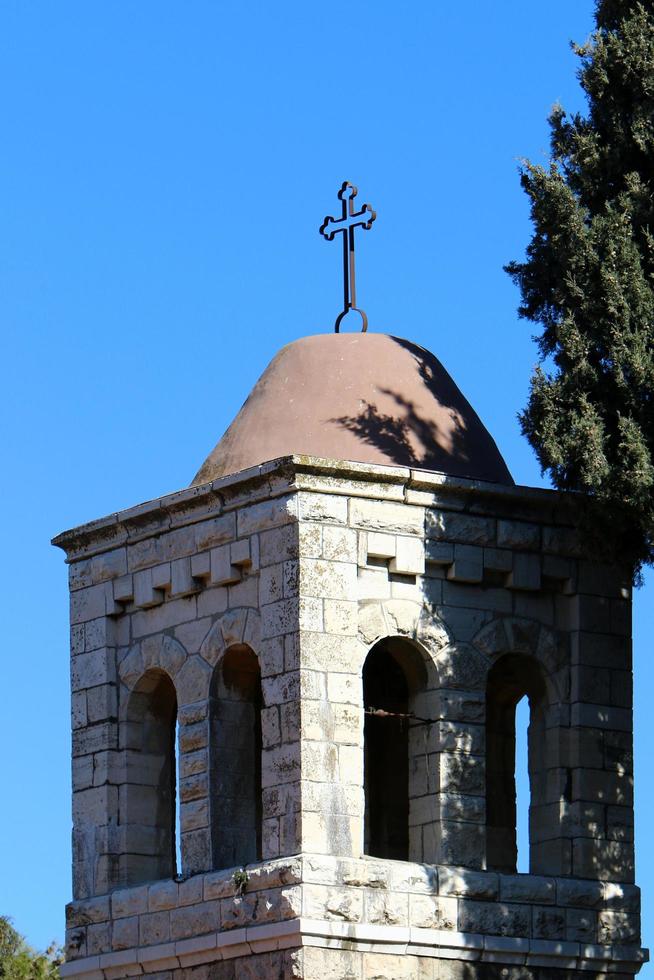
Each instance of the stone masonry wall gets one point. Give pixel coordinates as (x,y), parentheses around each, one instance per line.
(309,563)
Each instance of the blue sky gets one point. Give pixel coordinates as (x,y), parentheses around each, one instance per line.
(163,172)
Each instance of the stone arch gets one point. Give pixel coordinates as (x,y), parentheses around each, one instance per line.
(148,784)
(379,618)
(230,654)
(242,625)
(526,659)
(514,635)
(413,636)
(160,652)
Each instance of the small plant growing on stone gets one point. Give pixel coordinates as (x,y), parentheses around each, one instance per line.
(240,879)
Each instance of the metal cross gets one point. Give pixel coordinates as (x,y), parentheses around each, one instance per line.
(349,220)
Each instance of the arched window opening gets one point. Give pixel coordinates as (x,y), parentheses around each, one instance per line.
(148,795)
(522,790)
(178,821)
(235,719)
(512,679)
(393,673)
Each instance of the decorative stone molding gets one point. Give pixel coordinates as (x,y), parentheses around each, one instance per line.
(401,617)
(364,938)
(236,626)
(158,652)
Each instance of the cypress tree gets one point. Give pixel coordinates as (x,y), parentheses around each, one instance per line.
(588,281)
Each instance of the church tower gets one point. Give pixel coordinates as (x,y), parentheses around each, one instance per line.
(294,690)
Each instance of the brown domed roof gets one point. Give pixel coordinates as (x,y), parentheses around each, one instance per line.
(365,397)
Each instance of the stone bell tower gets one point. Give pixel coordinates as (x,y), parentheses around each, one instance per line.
(293,702)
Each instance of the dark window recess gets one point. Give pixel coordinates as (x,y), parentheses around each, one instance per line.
(386,756)
(510,679)
(235,775)
(149,790)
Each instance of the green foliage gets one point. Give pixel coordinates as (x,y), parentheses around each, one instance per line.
(588,281)
(19,962)
(240,879)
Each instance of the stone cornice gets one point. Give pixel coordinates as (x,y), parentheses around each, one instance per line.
(407,940)
(292,473)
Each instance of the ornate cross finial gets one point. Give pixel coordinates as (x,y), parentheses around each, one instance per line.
(349,220)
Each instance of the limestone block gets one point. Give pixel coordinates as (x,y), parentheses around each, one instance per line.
(123,588)
(91,603)
(386,516)
(340,617)
(190,891)
(340,904)
(473,597)
(431,912)
(125,932)
(327,579)
(467,564)
(239,552)
(95,738)
(162,895)
(193,787)
(163,617)
(606,859)
(85,912)
(191,635)
(438,552)
(621,897)
(196,850)
(222,570)
(82,772)
(96,806)
(154,927)
(129,901)
(620,823)
(271,584)
(92,669)
(528,888)
(494,918)
(581,925)
(145,592)
(102,703)
(78,715)
(280,765)
(518,535)
(341,654)
(338,544)
(344,688)
(182,581)
(525,573)
(322,507)
(310,539)
(194,920)
(192,737)
(310,614)
(212,601)
(232,626)
(373,583)
(548,923)
(214,532)
(279,544)
(280,618)
(330,964)
(194,814)
(379,545)
(201,566)
(193,680)
(463,528)
(462,668)
(462,773)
